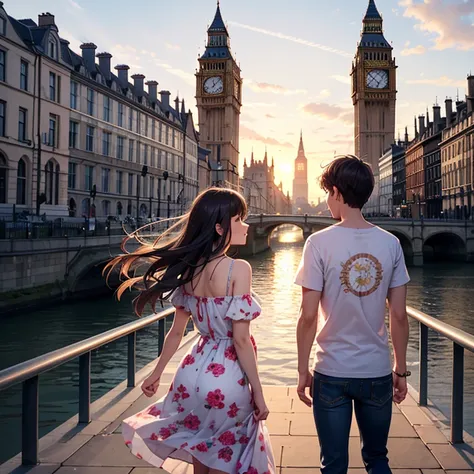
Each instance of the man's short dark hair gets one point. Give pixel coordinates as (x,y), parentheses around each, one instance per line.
(352,177)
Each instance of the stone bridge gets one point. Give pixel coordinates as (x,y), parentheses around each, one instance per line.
(427,239)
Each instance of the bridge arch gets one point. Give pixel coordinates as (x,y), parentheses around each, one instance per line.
(444,246)
(406,244)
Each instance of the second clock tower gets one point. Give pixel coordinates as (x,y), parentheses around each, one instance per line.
(219,97)
(374,90)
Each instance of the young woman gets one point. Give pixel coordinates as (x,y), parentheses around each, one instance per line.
(213,413)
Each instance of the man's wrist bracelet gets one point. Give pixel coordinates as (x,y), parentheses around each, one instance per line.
(405,374)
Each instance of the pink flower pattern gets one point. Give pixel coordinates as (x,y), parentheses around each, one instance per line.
(205,413)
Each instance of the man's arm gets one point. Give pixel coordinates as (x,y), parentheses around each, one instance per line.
(305,334)
(399,331)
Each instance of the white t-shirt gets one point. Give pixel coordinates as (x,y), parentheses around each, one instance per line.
(354,269)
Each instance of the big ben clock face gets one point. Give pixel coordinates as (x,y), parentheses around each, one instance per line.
(213,85)
(377,79)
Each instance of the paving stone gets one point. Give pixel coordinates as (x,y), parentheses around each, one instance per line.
(7,468)
(277,447)
(279,405)
(299,407)
(300,451)
(59,452)
(410,453)
(302,425)
(272,392)
(408,402)
(105,451)
(435,471)
(110,412)
(416,416)
(148,470)
(279,424)
(460,472)
(401,428)
(93,470)
(448,457)
(431,435)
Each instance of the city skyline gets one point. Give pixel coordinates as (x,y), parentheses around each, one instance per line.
(296,75)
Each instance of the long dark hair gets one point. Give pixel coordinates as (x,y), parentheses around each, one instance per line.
(189,246)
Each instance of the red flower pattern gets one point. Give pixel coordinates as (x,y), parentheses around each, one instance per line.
(154,411)
(192,422)
(216,369)
(226,454)
(227,438)
(248,299)
(230,353)
(233,411)
(241,381)
(188,360)
(201,447)
(244,439)
(252,470)
(215,399)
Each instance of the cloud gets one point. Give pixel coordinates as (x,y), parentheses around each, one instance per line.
(395,11)
(270,116)
(249,134)
(443,81)
(272,88)
(445,21)
(184,75)
(420,49)
(175,47)
(74,43)
(75,5)
(325,93)
(293,39)
(342,143)
(343,79)
(329,112)
(259,105)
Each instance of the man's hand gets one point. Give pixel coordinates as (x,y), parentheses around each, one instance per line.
(305,381)
(400,388)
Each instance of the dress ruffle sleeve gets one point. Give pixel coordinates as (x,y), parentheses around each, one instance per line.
(243,308)
(179,299)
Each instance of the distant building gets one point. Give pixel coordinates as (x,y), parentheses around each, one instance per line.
(457,156)
(300,181)
(263,196)
(400,208)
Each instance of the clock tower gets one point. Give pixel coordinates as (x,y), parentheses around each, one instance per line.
(219,98)
(300,181)
(373,90)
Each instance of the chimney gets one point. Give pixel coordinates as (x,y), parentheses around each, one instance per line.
(183,108)
(88,55)
(46,19)
(436,117)
(176,104)
(104,64)
(449,111)
(138,84)
(152,91)
(406,136)
(122,75)
(421,122)
(470,94)
(416,127)
(165,99)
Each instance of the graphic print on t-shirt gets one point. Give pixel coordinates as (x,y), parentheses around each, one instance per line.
(361,274)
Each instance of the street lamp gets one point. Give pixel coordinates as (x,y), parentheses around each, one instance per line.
(165,178)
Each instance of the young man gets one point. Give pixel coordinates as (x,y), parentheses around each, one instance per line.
(348,271)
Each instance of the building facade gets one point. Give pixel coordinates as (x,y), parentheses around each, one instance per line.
(374,90)
(219,98)
(300,181)
(399,192)
(457,160)
(97,144)
(34,114)
(263,196)
(386,182)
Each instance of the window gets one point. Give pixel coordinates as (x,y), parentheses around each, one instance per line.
(73,132)
(106,208)
(107,108)
(3,26)
(153,129)
(21,182)
(3,113)
(145,154)
(130,150)
(52,182)
(130,120)
(22,124)
(152,186)
(52,131)
(52,86)
(90,138)
(89,177)
(71,176)
(120,115)
(90,102)
(120,141)
(130,184)
(3,61)
(24,75)
(160,132)
(119,185)
(53,48)
(105,179)
(106,138)
(74,93)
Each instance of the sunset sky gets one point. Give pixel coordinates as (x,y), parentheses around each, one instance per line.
(295,59)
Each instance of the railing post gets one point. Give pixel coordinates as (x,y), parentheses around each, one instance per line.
(457,400)
(85,388)
(131,362)
(29,422)
(161,335)
(423,398)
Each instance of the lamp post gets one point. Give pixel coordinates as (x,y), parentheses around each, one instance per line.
(463,211)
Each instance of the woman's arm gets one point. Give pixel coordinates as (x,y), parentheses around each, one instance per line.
(242,278)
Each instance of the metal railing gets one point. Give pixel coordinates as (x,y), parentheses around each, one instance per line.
(461,340)
(28,373)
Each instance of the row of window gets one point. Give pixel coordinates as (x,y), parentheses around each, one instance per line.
(148,184)
(462,145)
(24,68)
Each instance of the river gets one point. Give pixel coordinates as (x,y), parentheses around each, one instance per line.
(441,290)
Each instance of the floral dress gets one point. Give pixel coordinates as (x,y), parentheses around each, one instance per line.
(208,411)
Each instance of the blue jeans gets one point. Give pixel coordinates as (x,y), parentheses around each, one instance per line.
(332,407)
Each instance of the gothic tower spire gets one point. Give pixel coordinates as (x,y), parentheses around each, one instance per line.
(301,146)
